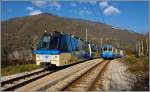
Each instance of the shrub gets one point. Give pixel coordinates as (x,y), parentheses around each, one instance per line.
(130,59)
(137,64)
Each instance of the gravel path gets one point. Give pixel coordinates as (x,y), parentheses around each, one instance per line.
(117,78)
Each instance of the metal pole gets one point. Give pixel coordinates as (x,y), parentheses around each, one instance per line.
(86,34)
(101,42)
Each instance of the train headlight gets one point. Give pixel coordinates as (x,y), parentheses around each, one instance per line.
(37,56)
(55,57)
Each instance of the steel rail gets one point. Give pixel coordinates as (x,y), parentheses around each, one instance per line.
(87,75)
(15,82)
(62,85)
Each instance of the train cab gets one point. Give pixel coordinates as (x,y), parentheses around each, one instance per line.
(60,49)
(107,52)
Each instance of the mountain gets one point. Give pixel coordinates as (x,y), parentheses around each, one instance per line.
(20,34)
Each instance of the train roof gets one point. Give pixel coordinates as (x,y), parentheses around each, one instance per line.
(61,33)
(108,46)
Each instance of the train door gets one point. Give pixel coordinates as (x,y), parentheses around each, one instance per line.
(90,50)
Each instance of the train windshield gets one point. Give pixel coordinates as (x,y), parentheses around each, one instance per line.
(59,42)
(49,42)
(45,42)
(93,47)
(107,49)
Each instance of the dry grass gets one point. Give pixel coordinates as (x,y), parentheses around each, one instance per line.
(140,67)
(6,63)
(137,64)
(9,70)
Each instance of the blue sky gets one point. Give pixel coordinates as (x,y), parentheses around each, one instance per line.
(131,15)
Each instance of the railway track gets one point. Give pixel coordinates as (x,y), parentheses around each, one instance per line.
(20,81)
(83,80)
(14,83)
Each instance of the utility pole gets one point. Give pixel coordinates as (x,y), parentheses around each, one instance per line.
(86,34)
(101,42)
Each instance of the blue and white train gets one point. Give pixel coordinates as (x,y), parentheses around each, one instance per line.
(110,52)
(60,49)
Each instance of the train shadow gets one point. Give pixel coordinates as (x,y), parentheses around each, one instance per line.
(54,67)
(108,58)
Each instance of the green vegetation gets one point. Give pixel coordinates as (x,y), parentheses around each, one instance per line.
(18,69)
(5,63)
(131,59)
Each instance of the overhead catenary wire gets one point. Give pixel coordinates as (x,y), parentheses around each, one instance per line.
(94,12)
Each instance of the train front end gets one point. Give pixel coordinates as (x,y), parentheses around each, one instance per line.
(47,52)
(47,57)
(58,49)
(107,55)
(107,52)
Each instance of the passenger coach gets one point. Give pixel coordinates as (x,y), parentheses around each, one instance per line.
(61,49)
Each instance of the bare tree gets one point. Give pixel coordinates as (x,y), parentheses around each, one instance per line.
(139,49)
(147,48)
(142,49)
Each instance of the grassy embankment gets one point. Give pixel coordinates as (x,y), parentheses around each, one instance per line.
(9,70)
(137,65)
(140,67)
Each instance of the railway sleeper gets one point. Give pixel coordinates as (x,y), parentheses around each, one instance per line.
(62,85)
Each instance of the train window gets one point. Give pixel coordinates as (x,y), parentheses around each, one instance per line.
(63,44)
(79,45)
(73,44)
(54,42)
(76,44)
(44,42)
(69,44)
(93,48)
(109,49)
(105,49)
(85,47)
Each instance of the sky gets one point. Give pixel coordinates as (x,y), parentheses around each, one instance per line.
(130,15)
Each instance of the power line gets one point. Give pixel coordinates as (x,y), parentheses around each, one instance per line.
(94,12)
(104,20)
